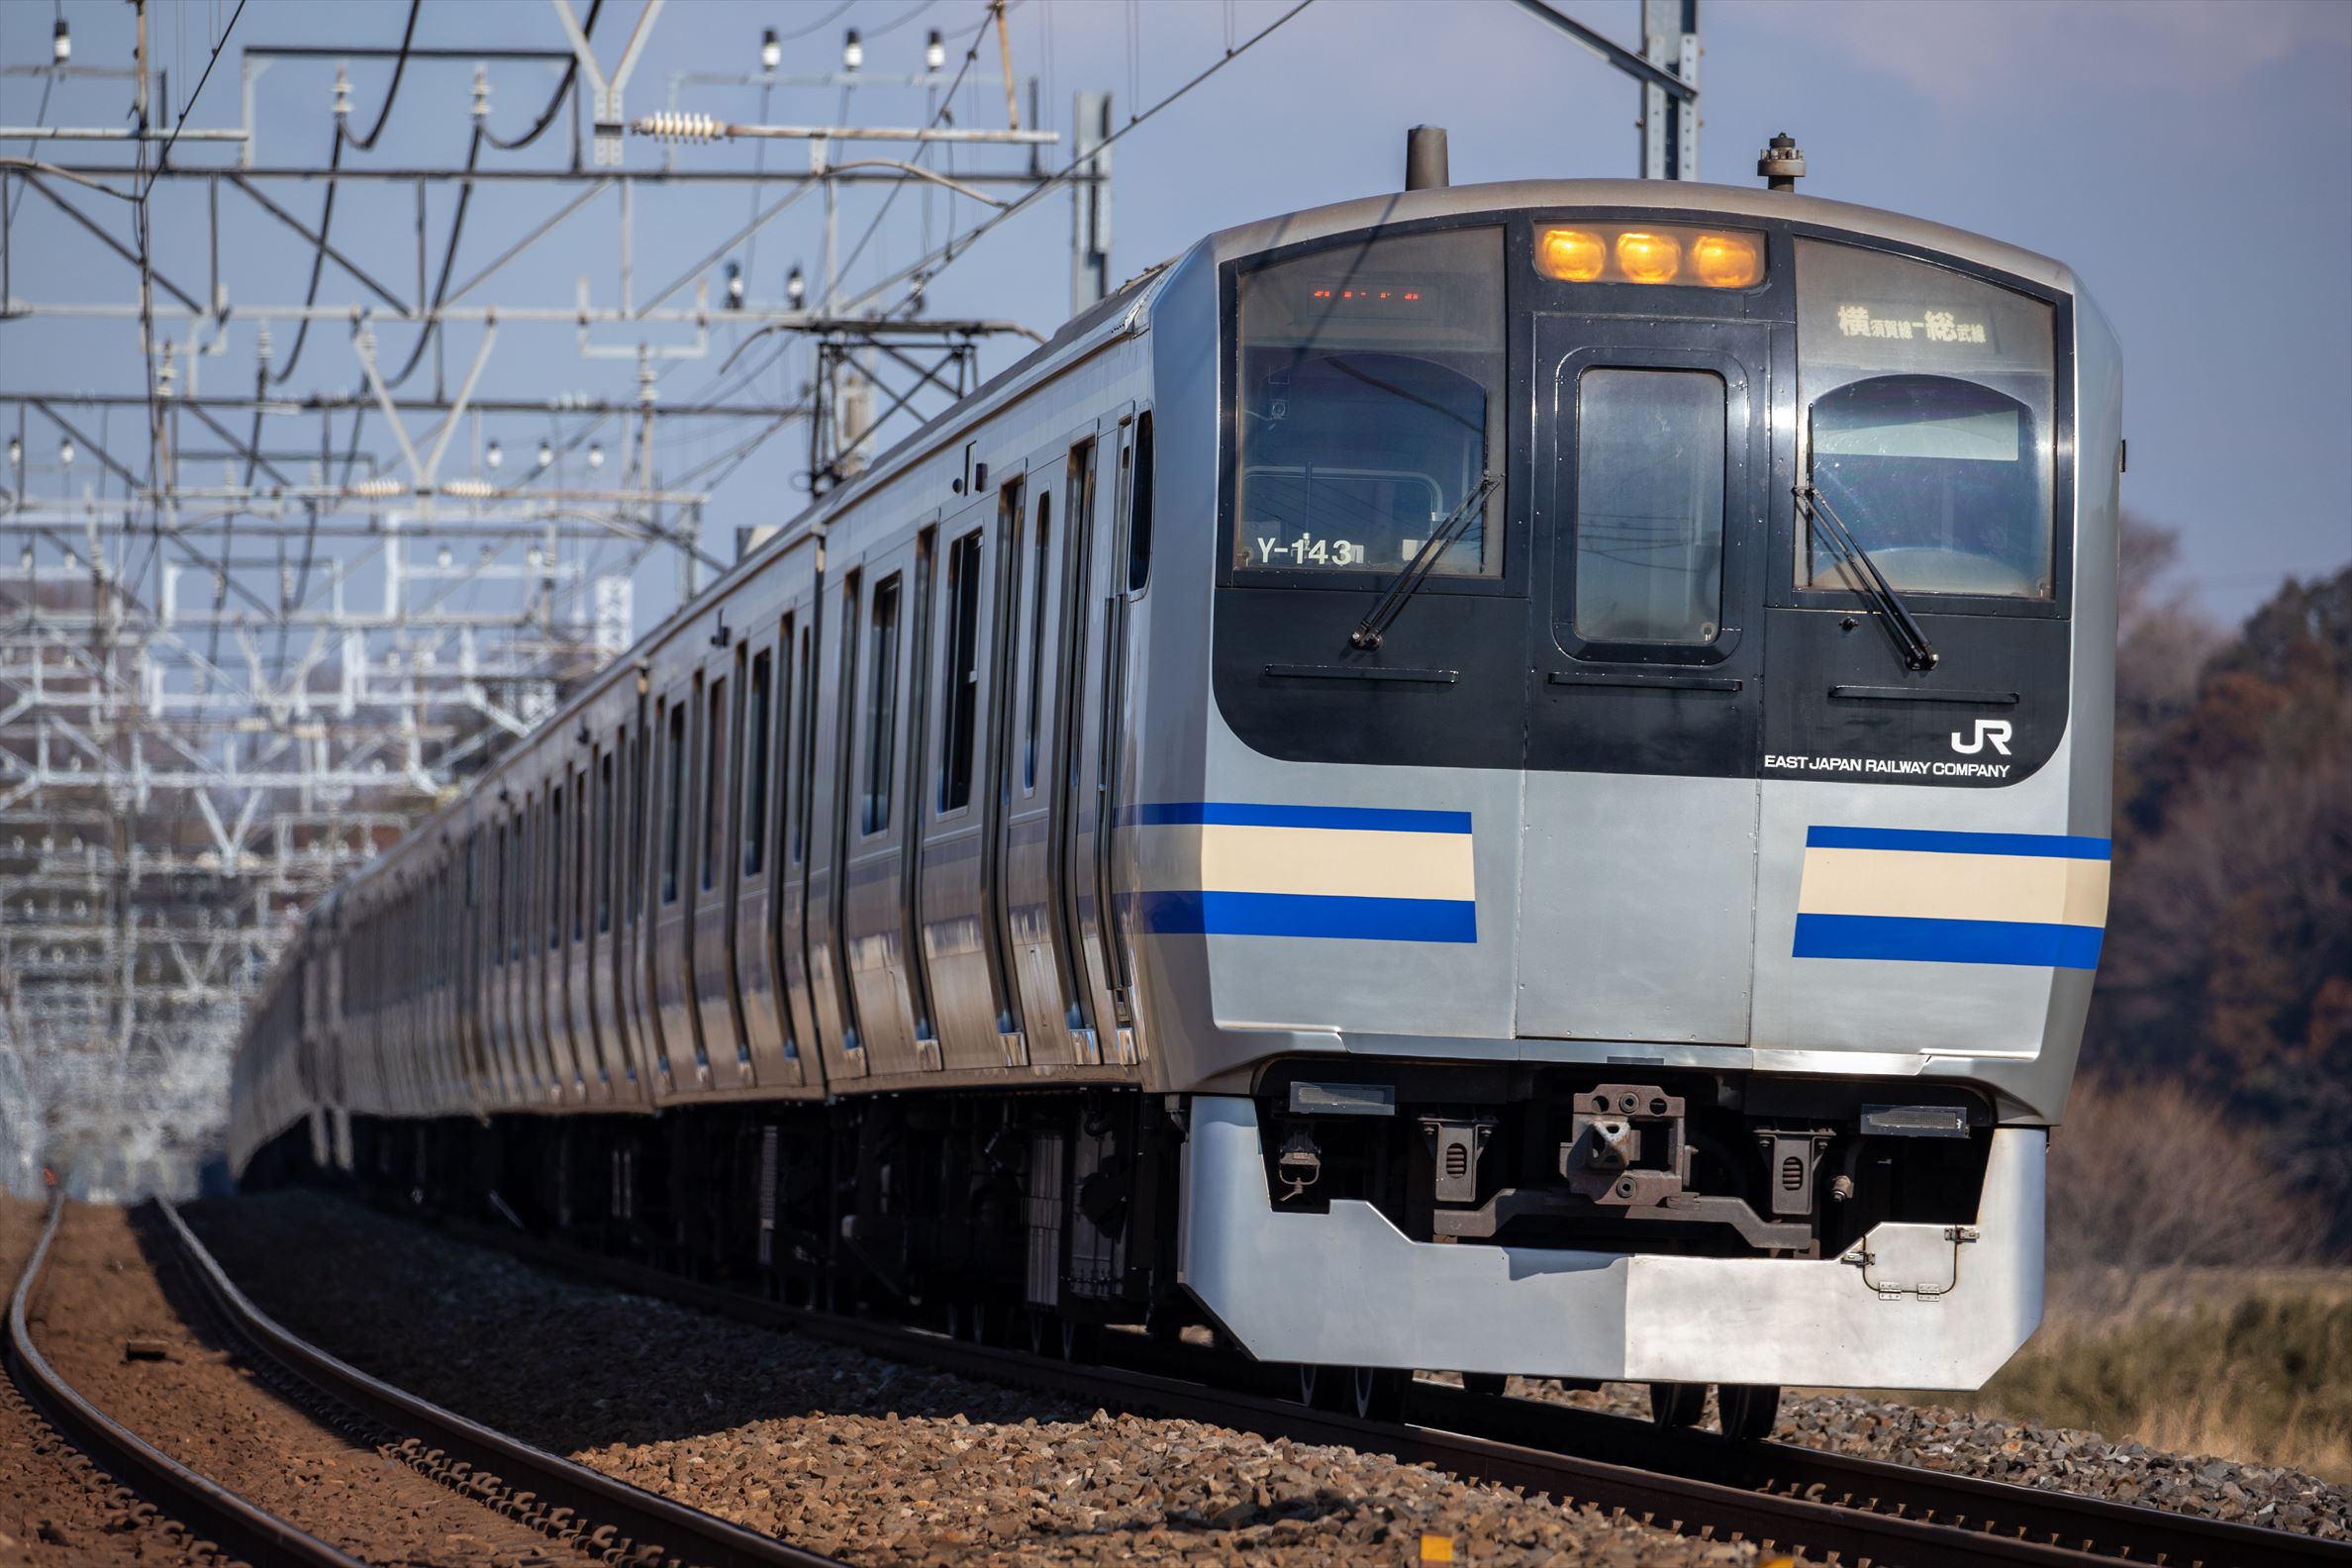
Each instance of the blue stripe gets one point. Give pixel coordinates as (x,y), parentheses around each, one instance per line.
(1242,814)
(1948,940)
(2049,846)
(1310,915)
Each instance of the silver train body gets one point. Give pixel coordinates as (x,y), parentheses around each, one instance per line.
(1075,863)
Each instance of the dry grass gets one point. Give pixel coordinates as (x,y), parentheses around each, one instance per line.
(2187,1308)
(2259,1372)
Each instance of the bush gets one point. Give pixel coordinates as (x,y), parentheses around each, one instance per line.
(2150,1176)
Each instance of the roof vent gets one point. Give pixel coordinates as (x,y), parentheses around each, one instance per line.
(1781,164)
(1425,159)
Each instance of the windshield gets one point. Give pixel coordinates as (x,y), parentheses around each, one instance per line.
(1369,405)
(1930,419)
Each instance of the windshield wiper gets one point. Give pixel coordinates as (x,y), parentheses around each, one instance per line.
(1376,623)
(1909,641)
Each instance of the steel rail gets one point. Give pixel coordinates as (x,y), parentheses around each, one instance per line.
(1781,1495)
(208,1508)
(657,1527)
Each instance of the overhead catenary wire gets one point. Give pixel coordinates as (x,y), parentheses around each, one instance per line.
(367,144)
(930,267)
(538,127)
(942,115)
(189,104)
(823,21)
(342,135)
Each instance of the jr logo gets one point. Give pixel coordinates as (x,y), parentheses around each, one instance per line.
(1997,730)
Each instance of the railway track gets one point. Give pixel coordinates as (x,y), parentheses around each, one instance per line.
(230,1523)
(1784,1496)
(566,1500)
(573,1507)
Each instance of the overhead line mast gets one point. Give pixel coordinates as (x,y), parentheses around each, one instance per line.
(234,666)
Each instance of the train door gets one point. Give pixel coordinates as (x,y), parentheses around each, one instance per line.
(1651,489)
(1126,571)
(1032,832)
(956,906)
(1092,652)
(710,961)
(1006,782)
(884,971)
(633,939)
(532,1026)
(591,1036)
(469,969)
(495,1031)
(600,975)
(832,822)
(555,998)
(684,1066)
(795,785)
(764,1013)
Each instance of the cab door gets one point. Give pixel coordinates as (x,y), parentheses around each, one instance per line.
(1653,474)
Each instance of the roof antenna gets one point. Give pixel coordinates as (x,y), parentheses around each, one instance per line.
(1425,159)
(1782,163)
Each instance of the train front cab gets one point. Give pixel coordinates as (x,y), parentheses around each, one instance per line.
(1654,945)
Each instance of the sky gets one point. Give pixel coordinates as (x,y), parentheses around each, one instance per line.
(2192,161)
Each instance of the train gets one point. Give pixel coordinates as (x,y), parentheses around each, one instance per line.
(1503,779)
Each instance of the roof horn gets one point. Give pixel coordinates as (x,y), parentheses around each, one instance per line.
(1425,159)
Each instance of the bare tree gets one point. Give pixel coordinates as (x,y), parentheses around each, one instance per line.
(2150,1175)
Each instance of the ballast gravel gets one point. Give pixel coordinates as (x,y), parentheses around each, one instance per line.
(2052,1458)
(887,1464)
(878,1463)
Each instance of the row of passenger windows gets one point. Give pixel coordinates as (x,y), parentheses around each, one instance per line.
(553,862)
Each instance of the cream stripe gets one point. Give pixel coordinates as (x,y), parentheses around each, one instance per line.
(1926,885)
(1332,861)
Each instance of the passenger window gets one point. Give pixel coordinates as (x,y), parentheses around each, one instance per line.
(1930,399)
(1649,506)
(801,745)
(555,846)
(498,901)
(881,704)
(520,864)
(715,777)
(579,854)
(964,669)
(1139,509)
(521,912)
(755,776)
(604,844)
(674,829)
(635,847)
(1040,576)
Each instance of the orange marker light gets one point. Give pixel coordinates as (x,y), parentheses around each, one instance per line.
(1571,254)
(1646,257)
(1727,261)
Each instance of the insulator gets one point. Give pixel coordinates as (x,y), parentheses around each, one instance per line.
(674,126)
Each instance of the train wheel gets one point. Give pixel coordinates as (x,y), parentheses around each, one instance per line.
(1041,1329)
(1489,1383)
(1378,1392)
(1747,1411)
(1677,1404)
(1311,1381)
